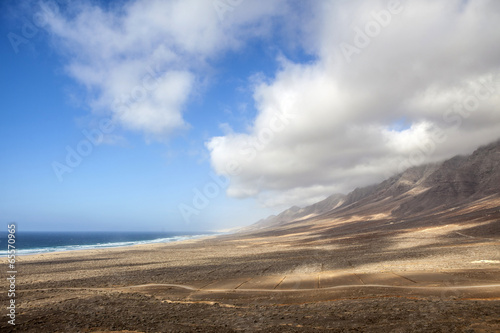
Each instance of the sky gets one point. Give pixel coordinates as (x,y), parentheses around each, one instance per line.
(194,115)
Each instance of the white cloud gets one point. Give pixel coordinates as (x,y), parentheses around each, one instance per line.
(321,127)
(142,60)
(338,128)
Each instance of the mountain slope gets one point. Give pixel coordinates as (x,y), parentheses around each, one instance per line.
(296,213)
(418,191)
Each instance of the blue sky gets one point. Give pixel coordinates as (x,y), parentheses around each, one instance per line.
(132,185)
(287,91)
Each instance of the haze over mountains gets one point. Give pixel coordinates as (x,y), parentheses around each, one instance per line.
(419,191)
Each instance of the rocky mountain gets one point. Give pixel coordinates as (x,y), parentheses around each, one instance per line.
(296,213)
(418,191)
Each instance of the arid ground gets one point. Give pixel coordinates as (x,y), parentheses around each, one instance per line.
(366,274)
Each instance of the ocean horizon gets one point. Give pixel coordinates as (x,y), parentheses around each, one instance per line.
(36,242)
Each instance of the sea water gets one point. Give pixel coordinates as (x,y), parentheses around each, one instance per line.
(32,242)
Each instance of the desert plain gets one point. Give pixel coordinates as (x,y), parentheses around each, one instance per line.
(350,274)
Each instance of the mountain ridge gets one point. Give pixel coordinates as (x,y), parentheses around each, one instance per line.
(416,191)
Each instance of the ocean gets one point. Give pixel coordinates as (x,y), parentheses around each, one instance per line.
(31,242)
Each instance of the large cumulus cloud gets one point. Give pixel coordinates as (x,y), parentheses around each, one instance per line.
(424,86)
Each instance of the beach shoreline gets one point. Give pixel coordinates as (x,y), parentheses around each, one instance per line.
(99,246)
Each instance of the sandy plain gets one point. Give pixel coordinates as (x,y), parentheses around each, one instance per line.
(375,275)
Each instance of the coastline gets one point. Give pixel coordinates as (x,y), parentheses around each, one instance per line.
(228,283)
(101,246)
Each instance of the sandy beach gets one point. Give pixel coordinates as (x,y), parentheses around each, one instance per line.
(299,278)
